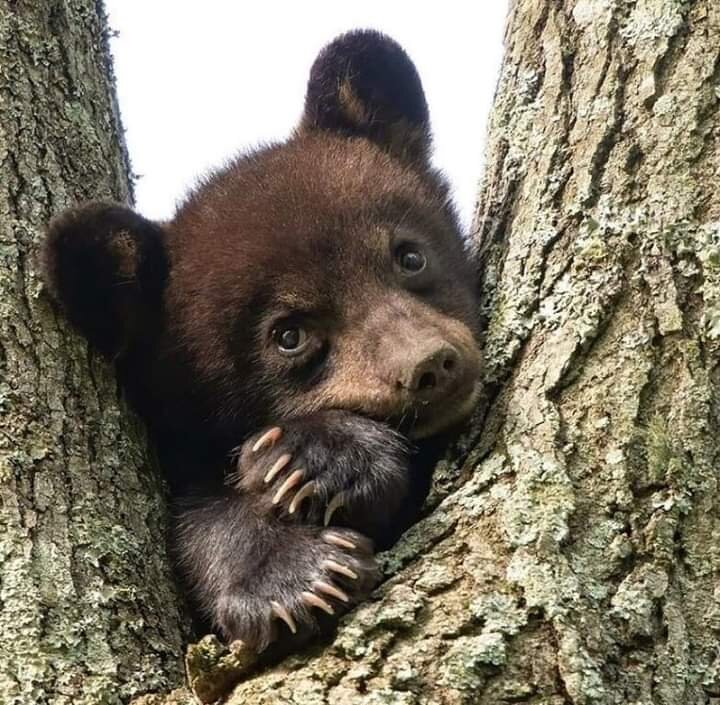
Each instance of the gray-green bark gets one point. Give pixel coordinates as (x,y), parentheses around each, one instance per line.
(88,613)
(573,550)
(574,555)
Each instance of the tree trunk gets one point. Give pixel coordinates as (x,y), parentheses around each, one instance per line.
(572,548)
(88,612)
(573,554)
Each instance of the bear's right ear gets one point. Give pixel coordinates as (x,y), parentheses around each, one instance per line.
(107,266)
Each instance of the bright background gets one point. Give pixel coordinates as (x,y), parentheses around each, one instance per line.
(199,81)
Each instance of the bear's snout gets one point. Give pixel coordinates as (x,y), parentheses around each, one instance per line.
(431,372)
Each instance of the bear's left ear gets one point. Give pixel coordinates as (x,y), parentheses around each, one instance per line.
(107,267)
(363,83)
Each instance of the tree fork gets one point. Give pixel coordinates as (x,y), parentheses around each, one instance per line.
(573,548)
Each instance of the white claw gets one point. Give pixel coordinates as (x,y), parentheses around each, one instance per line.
(328,589)
(291,481)
(338,540)
(268,439)
(281,613)
(313,600)
(305,491)
(340,569)
(280,463)
(335,503)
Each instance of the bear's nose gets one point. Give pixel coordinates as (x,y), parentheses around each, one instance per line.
(434,374)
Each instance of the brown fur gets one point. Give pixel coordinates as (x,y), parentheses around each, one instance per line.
(306,232)
(276,226)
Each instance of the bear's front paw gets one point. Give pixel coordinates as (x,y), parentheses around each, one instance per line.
(331,465)
(309,573)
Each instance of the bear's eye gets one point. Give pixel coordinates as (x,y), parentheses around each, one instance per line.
(410,259)
(291,339)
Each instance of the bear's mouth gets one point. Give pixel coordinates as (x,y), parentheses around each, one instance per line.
(419,422)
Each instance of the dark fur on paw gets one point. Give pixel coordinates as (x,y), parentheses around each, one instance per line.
(311,577)
(331,466)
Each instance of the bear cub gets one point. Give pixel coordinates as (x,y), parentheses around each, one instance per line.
(299,339)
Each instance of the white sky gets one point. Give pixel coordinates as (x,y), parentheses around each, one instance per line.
(198,81)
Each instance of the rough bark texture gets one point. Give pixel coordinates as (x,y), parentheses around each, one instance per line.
(573,555)
(88,613)
(571,550)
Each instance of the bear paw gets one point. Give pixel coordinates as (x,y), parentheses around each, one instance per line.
(309,579)
(332,462)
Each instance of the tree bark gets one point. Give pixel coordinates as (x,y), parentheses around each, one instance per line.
(571,549)
(572,554)
(88,612)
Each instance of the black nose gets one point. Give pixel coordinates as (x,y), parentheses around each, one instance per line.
(434,374)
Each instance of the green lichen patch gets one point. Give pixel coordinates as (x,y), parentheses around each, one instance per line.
(213,668)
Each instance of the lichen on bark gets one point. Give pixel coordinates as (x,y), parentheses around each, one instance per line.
(88,611)
(571,548)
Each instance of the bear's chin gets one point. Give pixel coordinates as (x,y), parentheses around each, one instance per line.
(455,411)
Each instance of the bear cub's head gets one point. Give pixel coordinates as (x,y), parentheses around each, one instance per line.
(327,271)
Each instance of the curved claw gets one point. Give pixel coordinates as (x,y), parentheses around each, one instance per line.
(313,600)
(268,439)
(280,463)
(282,613)
(340,569)
(329,589)
(340,541)
(335,503)
(291,481)
(305,491)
